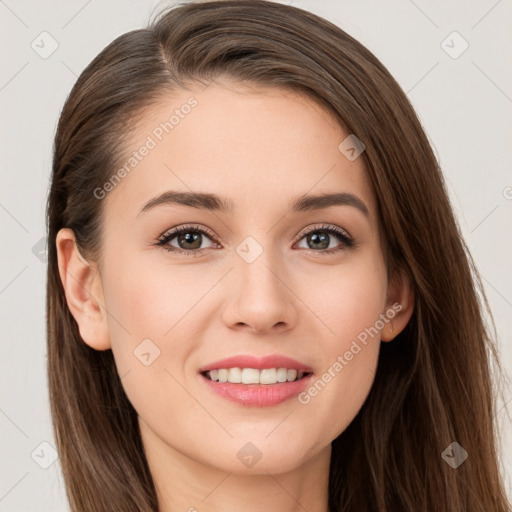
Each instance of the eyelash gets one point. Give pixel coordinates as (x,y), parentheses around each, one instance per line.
(347,241)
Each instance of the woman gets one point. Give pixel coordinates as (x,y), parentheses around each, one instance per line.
(258,294)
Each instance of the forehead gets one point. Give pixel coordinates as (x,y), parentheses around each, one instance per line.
(258,147)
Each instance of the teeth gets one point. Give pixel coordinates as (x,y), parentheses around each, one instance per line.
(249,375)
(254,376)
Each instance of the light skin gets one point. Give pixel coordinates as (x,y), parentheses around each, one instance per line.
(261,149)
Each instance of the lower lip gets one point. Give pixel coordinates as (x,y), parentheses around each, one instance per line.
(258,395)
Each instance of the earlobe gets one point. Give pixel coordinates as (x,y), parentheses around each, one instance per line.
(399,307)
(82,286)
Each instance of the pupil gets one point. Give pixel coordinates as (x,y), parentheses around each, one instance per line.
(323,238)
(191,238)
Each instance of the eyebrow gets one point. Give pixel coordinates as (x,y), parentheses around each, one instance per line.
(213,202)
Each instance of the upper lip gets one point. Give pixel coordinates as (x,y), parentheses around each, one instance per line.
(247,361)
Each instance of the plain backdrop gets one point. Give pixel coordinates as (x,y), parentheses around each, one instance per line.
(460,85)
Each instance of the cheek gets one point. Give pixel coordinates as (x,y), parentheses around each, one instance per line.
(349,299)
(149,310)
(152,320)
(349,305)
(149,300)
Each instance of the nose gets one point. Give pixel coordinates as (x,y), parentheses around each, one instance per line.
(261,296)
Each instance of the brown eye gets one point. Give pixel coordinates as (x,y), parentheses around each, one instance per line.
(319,239)
(188,240)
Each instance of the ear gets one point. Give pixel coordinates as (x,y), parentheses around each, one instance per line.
(83,289)
(399,305)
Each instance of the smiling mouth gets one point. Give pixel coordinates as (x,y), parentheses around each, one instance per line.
(248,376)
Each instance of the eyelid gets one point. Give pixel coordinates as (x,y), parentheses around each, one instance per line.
(324,227)
(192,227)
(305,231)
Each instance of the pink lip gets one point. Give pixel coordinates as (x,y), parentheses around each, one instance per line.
(259,363)
(258,395)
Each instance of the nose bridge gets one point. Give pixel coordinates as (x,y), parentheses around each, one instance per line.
(260,298)
(258,266)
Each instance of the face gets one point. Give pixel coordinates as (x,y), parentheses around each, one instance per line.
(261,278)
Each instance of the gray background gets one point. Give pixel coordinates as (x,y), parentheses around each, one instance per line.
(464,102)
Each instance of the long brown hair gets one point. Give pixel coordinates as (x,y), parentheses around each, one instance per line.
(433,383)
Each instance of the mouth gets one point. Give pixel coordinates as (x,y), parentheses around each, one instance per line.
(251,387)
(254,376)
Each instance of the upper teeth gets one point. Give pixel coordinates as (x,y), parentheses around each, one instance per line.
(254,376)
